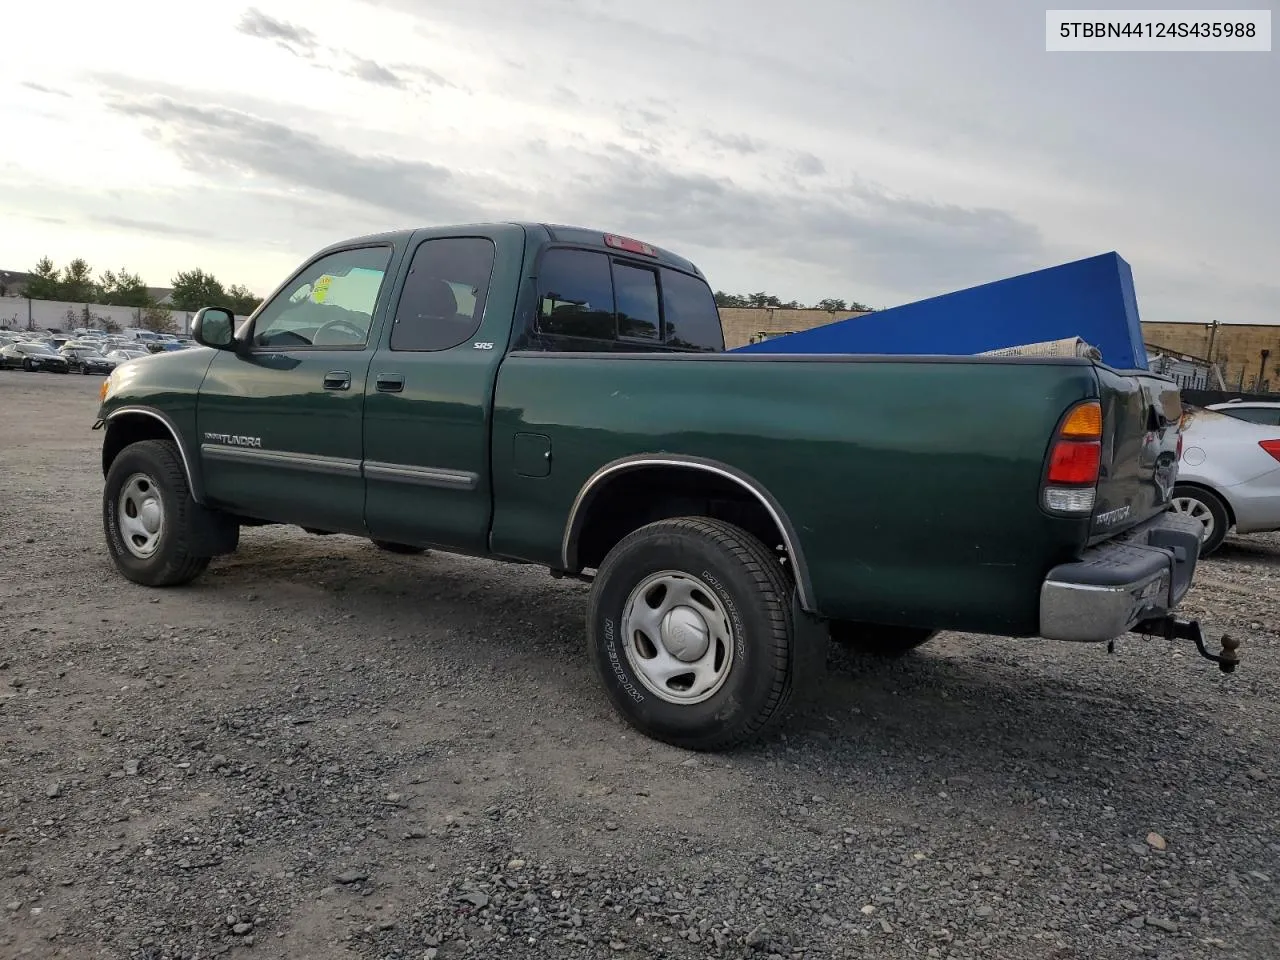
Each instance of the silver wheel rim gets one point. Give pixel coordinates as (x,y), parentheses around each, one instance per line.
(140,515)
(1197,510)
(677,637)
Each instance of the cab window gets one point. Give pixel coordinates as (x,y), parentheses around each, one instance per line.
(330,303)
(442,301)
(596,301)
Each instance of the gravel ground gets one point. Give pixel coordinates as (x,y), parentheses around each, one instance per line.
(320,750)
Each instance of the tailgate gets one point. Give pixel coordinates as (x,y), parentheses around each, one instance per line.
(1141,415)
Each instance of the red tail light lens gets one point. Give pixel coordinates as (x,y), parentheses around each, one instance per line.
(1271,446)
(1075,462)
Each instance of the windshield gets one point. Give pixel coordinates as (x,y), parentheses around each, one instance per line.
(34,348)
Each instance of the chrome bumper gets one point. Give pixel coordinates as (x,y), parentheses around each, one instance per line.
(1139,576)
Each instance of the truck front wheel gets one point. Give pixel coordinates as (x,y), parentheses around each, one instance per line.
(147,516)
(877,640)
(690,631)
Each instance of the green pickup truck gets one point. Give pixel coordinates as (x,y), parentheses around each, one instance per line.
(562,397)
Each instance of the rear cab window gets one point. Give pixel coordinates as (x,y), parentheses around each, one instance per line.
(592,300)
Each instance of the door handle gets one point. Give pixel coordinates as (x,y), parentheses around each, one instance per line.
(390,382)
(337,380)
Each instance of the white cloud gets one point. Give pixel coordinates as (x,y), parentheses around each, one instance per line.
(822,148)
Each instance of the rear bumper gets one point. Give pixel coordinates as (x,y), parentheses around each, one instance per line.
(1141,575)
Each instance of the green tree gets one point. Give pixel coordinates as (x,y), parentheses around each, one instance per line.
(159,319)
(78,285)
(45,283)
(730,299)
(124,289)
(241,301)
(193,289)
(832,305)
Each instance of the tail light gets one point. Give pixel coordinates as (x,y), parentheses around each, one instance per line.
(1075,461)
(1271,446)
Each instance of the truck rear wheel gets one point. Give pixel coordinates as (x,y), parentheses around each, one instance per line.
(146,515)
(877,640)
(690,631)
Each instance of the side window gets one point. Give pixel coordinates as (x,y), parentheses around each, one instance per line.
(443,299)
(329,304)
(693,320)
(636,292)
(575,295)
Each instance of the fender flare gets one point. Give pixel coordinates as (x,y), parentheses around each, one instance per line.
(188,461)
(790,539)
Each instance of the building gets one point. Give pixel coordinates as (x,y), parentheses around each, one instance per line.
(1248,354)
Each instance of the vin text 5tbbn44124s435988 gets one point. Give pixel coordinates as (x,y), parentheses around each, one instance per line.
(560,396)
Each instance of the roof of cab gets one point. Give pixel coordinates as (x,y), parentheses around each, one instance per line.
(555,233)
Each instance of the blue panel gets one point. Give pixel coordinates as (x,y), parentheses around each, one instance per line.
(1093,299)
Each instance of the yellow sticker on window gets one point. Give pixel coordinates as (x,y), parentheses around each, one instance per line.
(321,288)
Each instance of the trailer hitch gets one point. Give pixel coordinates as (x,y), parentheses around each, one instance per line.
(1173,628)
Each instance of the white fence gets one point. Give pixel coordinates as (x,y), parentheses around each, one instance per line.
(20,313)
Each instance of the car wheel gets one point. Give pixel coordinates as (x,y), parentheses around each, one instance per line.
(84,370)
(404,548)
(146,513)
(877,640)
(690,631)
(1206,507)
(28,366)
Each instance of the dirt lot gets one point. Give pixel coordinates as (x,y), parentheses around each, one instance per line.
(319,750)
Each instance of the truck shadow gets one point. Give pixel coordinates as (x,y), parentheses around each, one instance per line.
(976,702)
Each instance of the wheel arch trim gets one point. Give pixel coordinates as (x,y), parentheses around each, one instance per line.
(790,539)
(193,479)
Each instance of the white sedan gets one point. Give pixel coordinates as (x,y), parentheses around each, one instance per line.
(1229,475)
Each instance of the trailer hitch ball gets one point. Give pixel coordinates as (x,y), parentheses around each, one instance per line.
(1228,659)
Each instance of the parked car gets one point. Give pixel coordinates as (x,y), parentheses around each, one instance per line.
(87,360)
(121,355)
(1229,475)
(1255,411)
(30,356)
(561,397)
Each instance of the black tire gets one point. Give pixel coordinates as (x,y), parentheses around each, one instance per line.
(1217,510)
(84,369)
(753,592)
(172,563)
(404,548)
(28,366)
(877,640)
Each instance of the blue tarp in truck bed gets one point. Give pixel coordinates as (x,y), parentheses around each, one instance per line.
(1093,299)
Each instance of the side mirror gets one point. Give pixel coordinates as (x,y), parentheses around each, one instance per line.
(214,327)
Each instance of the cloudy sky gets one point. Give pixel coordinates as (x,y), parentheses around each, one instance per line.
(815,148)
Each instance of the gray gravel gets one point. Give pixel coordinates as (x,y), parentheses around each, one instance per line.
(320,750)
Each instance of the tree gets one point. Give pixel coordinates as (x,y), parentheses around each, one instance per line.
(124,289)
(193,289)
(157,318)
(241,301)
(78,285)
(831,305)
(44,283)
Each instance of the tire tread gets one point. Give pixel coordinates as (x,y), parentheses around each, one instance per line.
(182,566)
(773,585)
